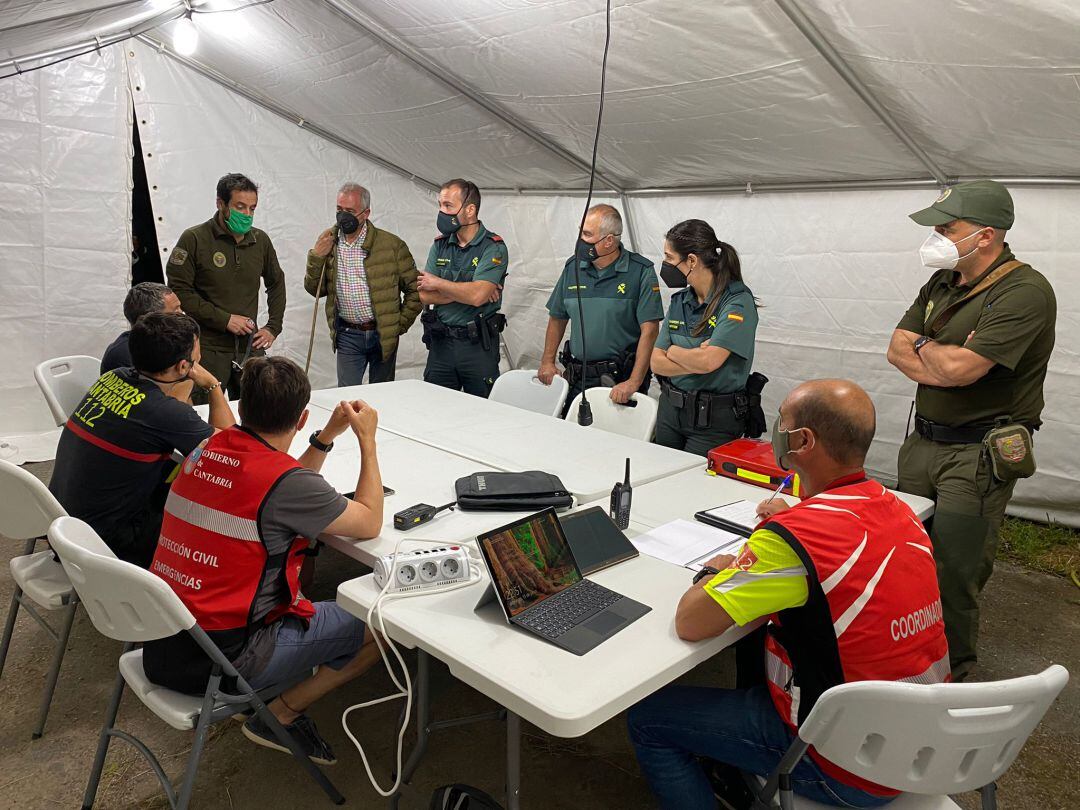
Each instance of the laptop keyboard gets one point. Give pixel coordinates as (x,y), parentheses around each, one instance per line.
(567,609)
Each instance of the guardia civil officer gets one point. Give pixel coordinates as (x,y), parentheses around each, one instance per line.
(461,286)
(215,270)
(706,346)
(620,302)
(977,340)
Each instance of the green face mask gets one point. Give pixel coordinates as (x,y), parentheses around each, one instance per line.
(239,223)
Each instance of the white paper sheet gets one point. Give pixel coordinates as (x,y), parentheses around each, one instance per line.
(741,513)
(686,543)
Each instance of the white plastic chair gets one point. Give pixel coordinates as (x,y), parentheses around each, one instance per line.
(522,389)
(930,740)
(64,381)
(26,510)
(129,604)
(637,422)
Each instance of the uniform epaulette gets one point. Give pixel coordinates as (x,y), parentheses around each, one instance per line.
(440,237)
(494,237)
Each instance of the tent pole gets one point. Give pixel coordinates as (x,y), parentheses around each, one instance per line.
(459,85)
(209,73)
(94,42)
(628,218)
(793,188)
(832,56)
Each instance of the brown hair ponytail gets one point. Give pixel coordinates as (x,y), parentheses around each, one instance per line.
(697,236)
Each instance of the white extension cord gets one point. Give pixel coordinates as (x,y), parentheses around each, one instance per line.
(375,623)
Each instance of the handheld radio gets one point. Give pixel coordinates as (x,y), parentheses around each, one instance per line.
(621,495)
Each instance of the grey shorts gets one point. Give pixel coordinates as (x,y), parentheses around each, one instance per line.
(333,637)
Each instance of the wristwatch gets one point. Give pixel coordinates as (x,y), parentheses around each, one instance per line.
(706,571)
(314,442)
(920,342)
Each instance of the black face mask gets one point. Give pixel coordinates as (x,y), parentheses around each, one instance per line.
(587,252)
(448,224)
(672,275)
(348,223)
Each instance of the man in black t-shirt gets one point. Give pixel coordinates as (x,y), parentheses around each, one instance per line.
(114,460)
(142,299)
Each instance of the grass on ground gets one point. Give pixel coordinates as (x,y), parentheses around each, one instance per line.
(1053,548)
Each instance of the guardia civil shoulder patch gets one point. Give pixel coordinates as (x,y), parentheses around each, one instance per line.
(219,260)
(179,256)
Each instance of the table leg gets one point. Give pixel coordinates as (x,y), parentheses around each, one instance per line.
(422,709)
(513,760)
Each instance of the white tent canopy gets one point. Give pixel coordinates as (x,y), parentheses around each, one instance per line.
(877,103)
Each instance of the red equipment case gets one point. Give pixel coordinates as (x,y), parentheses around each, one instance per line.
(751,461)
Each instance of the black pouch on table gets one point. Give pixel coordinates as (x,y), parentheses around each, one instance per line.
(511,492)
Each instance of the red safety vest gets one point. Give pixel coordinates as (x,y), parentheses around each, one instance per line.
(211,551)
(873,611)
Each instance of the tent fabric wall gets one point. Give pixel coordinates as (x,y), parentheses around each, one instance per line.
(836,271)
(193,131)
(65,221)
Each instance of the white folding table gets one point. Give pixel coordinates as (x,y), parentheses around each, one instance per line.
(564,694)
(497,436)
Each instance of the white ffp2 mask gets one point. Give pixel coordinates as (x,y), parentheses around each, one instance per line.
(940,252)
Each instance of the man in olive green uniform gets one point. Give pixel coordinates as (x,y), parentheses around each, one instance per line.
(977,341)
(620,302)
(462,287)
(215,270)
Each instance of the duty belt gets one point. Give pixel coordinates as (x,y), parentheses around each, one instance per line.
(950,435)
(701,405)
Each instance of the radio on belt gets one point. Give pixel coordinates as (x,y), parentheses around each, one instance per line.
(417,515)
(751,461)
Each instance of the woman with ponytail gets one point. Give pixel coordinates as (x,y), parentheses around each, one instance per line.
(705,350)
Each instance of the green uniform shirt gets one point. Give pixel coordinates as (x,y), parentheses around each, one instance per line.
(484,258)
(1013,323)
(214,276)
(732,327)
(616,301)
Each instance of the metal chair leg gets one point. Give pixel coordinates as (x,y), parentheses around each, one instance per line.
(9,626)
(989,796)
(57,662)
(287,739)
(202,729)
(104,738)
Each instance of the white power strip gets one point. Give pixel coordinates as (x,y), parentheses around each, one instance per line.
(418,570)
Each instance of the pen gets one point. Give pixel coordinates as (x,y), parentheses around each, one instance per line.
(783,484)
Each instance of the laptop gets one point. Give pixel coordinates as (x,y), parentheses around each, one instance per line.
(596,541)
(537,582)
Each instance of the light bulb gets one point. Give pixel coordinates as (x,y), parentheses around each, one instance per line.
(185,36)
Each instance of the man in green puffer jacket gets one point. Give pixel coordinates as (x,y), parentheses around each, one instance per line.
(369,279)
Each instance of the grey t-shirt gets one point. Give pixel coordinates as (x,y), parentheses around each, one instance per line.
(304,504)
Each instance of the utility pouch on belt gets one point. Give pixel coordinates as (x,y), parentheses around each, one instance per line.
(434,329)
(1011,452)
(755,415)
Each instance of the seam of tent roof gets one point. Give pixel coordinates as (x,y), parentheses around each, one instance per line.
(813,34)
(215,76)
(369,24)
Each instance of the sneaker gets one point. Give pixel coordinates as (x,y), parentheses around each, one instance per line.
(729,787)
(302,730)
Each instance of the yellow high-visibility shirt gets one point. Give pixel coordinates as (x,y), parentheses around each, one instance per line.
(767,576)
